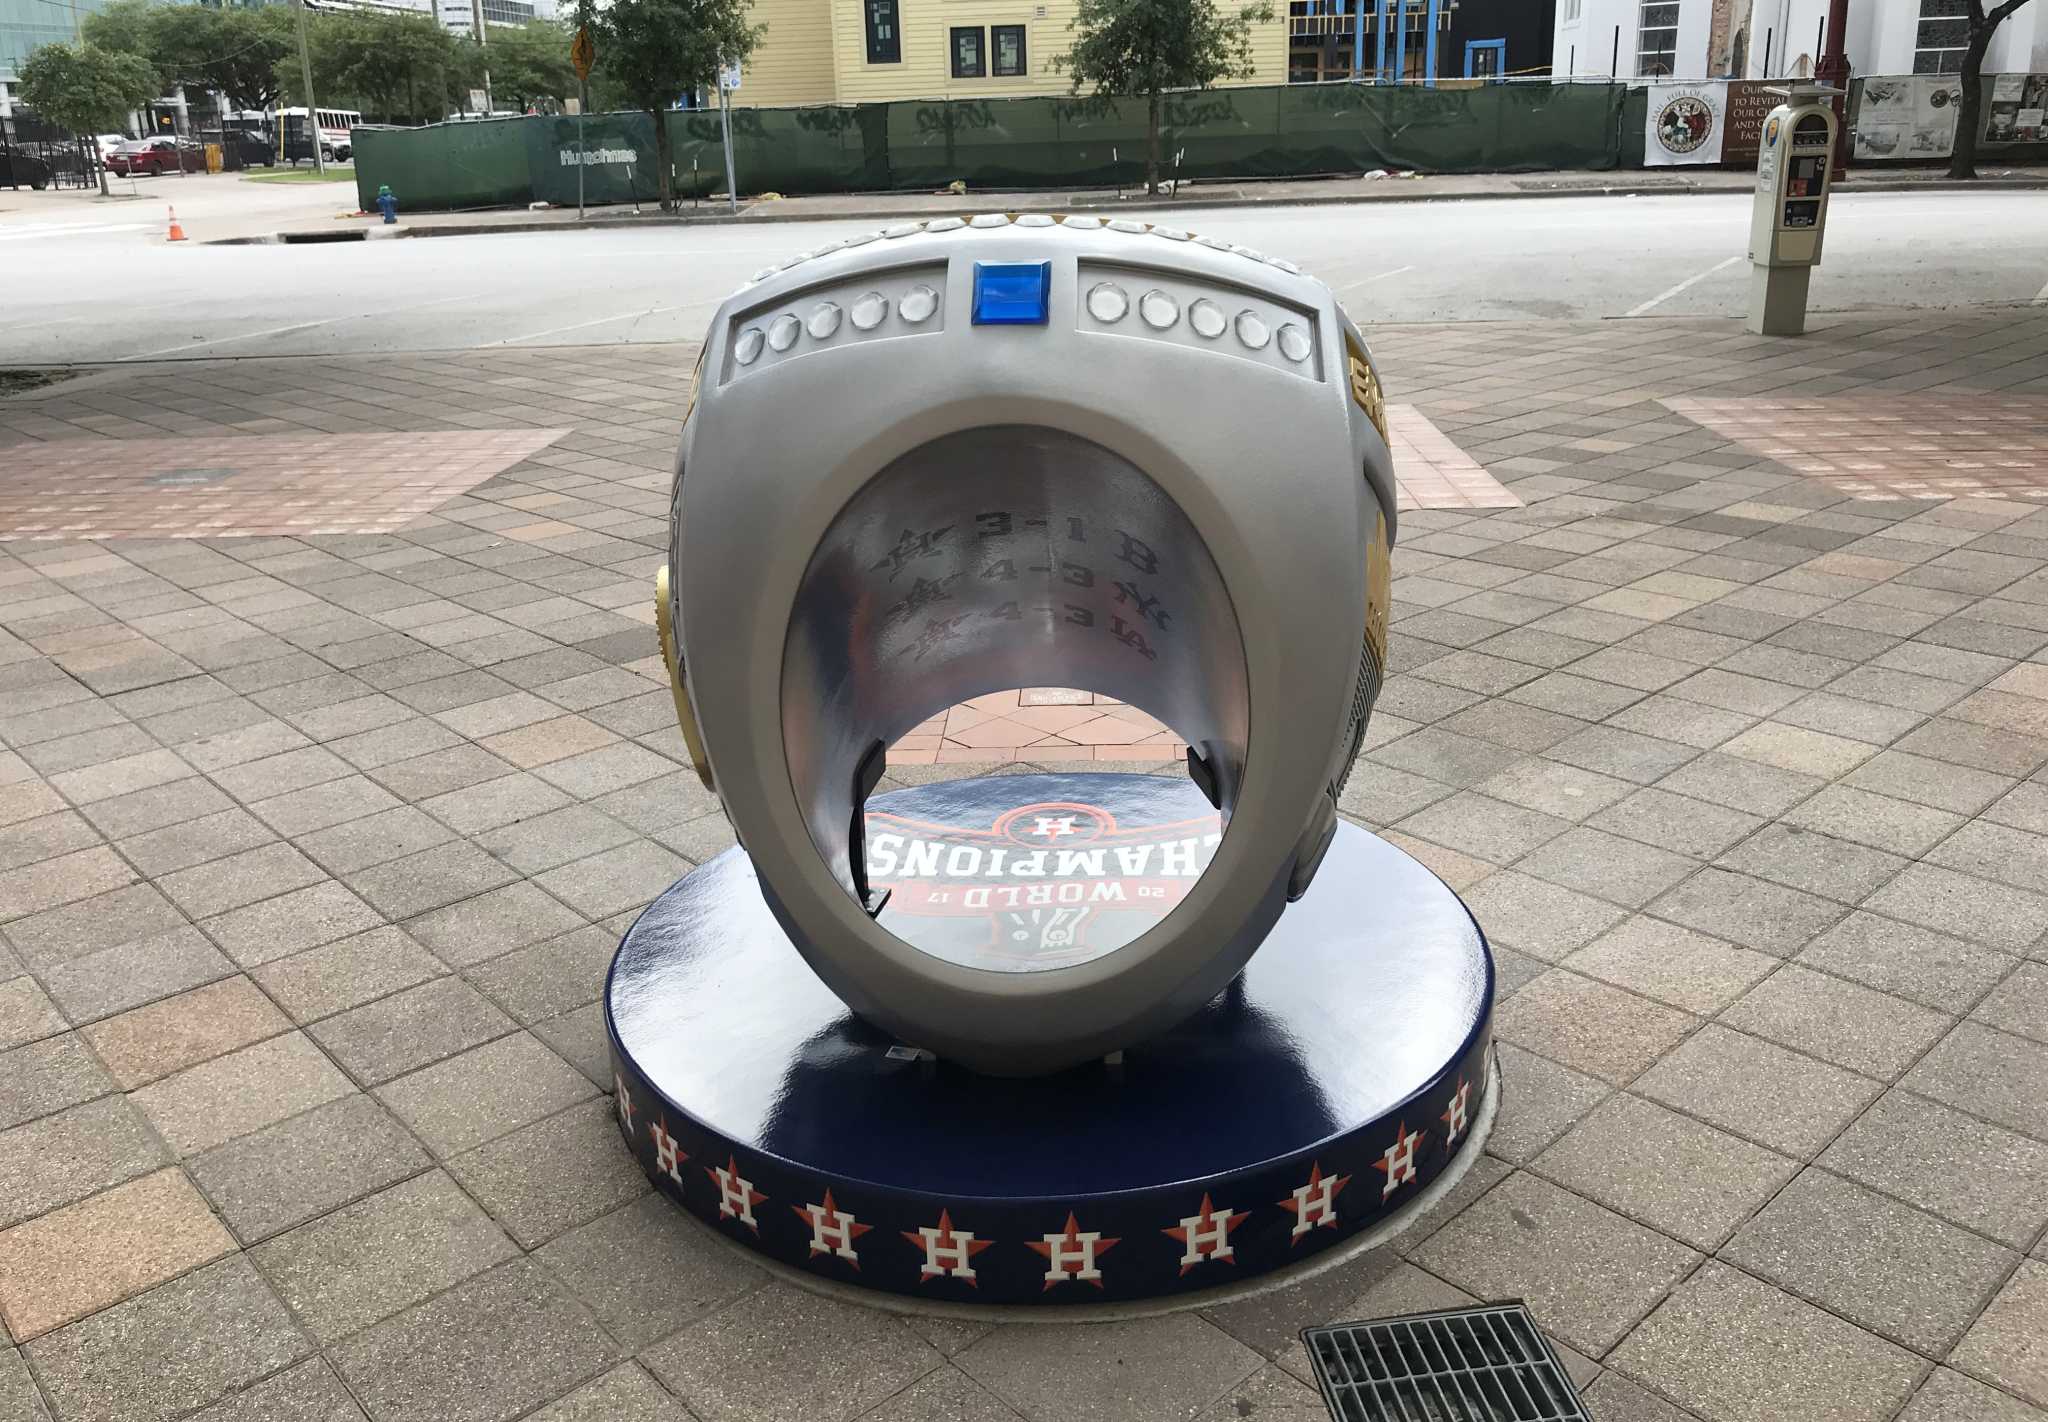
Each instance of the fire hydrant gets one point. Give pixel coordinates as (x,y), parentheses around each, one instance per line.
(387,204)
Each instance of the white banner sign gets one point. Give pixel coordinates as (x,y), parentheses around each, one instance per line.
(1684,124)
(1908,116)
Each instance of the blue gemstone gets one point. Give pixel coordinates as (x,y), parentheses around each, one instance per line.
(1012,293)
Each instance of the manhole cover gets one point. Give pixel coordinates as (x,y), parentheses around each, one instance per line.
(1487,1364)
(183,478)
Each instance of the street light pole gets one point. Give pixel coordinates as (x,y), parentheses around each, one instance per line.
(306,78)
(1833,71)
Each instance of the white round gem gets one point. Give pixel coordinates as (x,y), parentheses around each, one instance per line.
(1284,265)
(988,219)
(1035,219)
(1216,243)
(1171,234)
(782,331)
(824,320)
(862,240)
(1158,309)
(763,274)
(1208,319)
(918,304)
(1108,302)
(869,310)
(1294,343)
(903,229)
(747,349)
(1252,330)
(944,224)
(1124,224)
(1083,224)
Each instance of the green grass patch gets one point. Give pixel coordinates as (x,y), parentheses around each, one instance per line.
(305,173)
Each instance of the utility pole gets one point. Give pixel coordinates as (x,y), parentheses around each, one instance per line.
(306,78)
(1833,71)
(582,54)
(732,186)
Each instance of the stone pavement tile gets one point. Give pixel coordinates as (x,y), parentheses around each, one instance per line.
(309,1392)
(1623,754)
(734,1365)
(272,1179)
(579,1039)
(1732,691)
(484,1093)
(488,1350)
(244,1091)
(555,1174)
(1690,723)
(601,771)
(106,779)
(1539,1101)
(1613,1398)
(431,879)
(1746,910)
(625,1394)
(409,1030)
(544,742)
(1620,870)
(1731,1347)
(440,772)
(1445,756)
(337,976)
(1959,742)
(1898,1272)
(1693,827)
(1555,788)
(1758,1090)
(1377,794)
(1989,1074)
(1915,963)
(550,978)
(2019,1005)
(1897,826)
(1587,1273)
(1489,829)
(616,880)
(1994,915)
(948,1395)
(320,807)
(1521,727)
(373,839)
(492,804)
(20,1400)
(1814,863)
(648,1269)
(47,1076)
(1867,1031)
(1175,1365)
(165,1353)
(1846,716)
(1950,1397)
(1270,1323)
(151,1042)
(26,1013)
(1590,1026)
(1982,1177)
(2008,1346)
(116,979)
(194,842)
(141,811)
(1672,965)
(290,923)
(1997,852)
(2025,807)
(546,841)
(44,838)
(72,1154)
(484,927)
(1954,788)
(240,879)
(709,836)
(1799,750)
(1676,1175)
(78,1260)
(1741,784)
(66,879)
(345,1271)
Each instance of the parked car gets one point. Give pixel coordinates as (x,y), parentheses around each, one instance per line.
(20,170)
(107,142)
(151,156)
(246,149)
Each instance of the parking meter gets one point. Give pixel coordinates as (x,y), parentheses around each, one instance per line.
(1789,218)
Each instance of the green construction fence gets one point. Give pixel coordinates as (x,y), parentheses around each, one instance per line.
(1277,132)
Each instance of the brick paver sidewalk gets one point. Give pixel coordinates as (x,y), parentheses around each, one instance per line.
(313,851)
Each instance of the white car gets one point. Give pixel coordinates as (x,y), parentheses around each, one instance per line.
(107,142)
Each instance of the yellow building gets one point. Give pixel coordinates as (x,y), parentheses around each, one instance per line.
(867,51)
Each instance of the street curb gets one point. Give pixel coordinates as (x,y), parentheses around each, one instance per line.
(759,212)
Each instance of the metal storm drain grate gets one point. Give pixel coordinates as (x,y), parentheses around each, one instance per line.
(1486,1364)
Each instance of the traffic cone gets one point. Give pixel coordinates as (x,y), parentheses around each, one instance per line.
(177,232)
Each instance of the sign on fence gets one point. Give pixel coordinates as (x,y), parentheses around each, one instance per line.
(1683,123)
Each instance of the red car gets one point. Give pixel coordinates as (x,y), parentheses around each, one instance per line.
(151,156)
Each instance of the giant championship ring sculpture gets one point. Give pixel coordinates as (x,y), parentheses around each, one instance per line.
(956,458)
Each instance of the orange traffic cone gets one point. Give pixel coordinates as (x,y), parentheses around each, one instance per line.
(177,232)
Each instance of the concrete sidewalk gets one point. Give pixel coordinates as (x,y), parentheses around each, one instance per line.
(324,799)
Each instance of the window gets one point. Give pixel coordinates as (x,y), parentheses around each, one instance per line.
(968,62)
(885,35)
(1009,43)
(1657,38)
(1943,35)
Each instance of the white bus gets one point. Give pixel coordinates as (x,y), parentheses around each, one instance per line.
(334,125)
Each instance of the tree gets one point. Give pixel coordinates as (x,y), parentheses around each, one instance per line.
(1962,161)
(529,63)
(237,51)
(1146,48)
(657,50)
(399,67)
(85,88)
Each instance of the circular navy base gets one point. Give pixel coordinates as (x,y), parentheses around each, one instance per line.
(1319,1095)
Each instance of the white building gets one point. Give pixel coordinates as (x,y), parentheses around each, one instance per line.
(1774,39)
(460,16)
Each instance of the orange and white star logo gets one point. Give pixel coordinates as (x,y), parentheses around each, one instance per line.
(1399,1159)
(1314,1203)
(948,1252)
(736,1196)
(1206,1233)
(833,1230)
(1072,1254)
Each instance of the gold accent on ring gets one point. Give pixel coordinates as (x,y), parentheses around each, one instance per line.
(678,680)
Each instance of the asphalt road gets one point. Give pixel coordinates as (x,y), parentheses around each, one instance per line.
(107,290)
